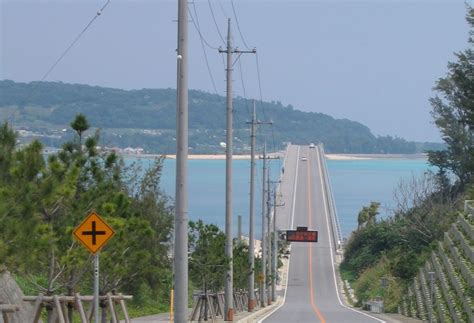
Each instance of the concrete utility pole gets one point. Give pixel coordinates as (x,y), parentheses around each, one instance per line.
(181,216)
(253,123)
(264,256)
(275,244)
(274,253)
(251,303)
(229,289)
(269,242)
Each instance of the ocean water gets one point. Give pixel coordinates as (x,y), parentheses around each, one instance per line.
(355,184)
(207,189)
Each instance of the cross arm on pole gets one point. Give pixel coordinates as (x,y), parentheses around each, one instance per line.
(238,51)
(261,122)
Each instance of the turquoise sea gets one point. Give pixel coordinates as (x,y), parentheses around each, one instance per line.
(355,184)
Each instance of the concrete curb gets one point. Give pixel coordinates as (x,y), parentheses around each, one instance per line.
(254,317)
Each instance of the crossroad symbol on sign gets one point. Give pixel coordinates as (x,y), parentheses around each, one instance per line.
(93,232)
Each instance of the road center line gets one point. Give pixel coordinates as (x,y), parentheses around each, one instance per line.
(310,249)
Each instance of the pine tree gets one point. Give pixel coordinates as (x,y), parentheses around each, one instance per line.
(453,112)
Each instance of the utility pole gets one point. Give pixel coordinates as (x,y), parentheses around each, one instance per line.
(275,243)
(229,289)
(269,242)
(251,303)
(181,197)
(264,260)
(274,253)
(253,123)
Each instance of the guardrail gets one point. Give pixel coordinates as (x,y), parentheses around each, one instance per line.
(336,227)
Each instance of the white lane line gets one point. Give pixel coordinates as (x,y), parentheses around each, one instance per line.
(292,218)
(330,244)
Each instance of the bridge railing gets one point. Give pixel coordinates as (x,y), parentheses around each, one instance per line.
(336,227)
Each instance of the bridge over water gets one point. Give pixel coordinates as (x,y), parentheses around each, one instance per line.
(312,292)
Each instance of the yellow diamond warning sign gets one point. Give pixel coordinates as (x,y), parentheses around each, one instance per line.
(93,232)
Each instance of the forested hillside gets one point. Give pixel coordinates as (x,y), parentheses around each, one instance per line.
(146,118)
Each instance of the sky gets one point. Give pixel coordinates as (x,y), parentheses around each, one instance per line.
(375,62)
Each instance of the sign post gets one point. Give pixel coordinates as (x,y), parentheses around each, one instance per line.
(94,233)
(96,288)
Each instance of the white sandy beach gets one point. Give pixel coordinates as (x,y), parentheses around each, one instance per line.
(374,156)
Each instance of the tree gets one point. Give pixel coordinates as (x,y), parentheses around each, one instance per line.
(208,262)
(7,146)
(241,266)
(80,125)
(453,112)
(368,214)
(42,201)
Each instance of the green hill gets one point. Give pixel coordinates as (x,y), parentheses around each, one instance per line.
(146,118)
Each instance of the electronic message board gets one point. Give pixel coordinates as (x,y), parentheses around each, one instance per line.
(301,234)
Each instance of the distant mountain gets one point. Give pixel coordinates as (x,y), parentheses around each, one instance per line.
(146,118)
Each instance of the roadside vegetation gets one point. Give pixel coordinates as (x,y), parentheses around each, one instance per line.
(393,249)
(43,198)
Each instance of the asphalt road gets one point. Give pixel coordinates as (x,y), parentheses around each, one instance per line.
(311,294)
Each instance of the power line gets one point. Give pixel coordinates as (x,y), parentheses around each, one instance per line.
(243,87)
(258,74)
(203,48)
(260,86)
(222,9)
(238,25)
(63,54)
(215,22)
(198,29)
(75,41)
(261,100)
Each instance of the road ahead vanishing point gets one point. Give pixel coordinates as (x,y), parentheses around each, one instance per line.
(312,294)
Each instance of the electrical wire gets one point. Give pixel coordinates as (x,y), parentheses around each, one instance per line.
(260,86)
(99,12)
(261,101)
(243,87)
(238,26)
(198,29)
(215,21)
(222,9)
(203,48)
(63,54)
